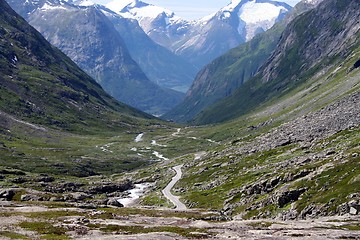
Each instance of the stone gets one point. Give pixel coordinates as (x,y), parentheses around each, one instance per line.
(78,196)
(353,211)
(56,199)
(114,202)
(7,194)
(29,197)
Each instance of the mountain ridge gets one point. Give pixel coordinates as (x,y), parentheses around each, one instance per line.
(200,41)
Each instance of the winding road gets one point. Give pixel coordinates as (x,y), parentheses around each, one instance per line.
(166,191)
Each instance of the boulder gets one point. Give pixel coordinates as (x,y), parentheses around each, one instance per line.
(286,197)
(30,197)
(7,194)
(114,202)
(79,196)
(354,207)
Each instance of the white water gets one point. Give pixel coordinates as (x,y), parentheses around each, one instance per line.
(177,132)
(153,142)
(139,137)
(134,194)
(158,155)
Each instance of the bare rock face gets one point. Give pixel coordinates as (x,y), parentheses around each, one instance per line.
(286,197)
(7,194)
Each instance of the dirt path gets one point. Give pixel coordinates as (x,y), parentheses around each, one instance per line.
(166,191)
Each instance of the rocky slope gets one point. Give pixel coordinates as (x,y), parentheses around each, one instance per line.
(225,74)
(95,45)
(305,168)
(300,54)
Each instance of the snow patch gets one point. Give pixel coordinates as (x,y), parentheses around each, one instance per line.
(137,9)
(86,3)
(177,132)
(253,12)
(15,59)
(46,7)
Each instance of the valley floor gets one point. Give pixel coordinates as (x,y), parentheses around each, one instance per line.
(132,223)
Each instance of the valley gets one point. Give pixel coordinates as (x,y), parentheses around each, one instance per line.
(264,146)
(69,207)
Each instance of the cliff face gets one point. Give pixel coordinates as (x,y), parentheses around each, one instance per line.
(327,32)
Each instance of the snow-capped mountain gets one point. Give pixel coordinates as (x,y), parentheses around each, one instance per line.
(253,15)
(232,25)
(161,24)
(203,40)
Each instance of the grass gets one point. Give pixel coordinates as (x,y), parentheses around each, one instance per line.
(13,235)
(46,229)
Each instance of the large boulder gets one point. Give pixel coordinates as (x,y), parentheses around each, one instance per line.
(7,194)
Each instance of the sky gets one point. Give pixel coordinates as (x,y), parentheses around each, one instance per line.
(192,9)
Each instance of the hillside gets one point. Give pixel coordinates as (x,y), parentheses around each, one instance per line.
(301,54)
(38,81)
(51,112)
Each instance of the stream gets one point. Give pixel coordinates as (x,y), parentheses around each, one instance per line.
(134,194)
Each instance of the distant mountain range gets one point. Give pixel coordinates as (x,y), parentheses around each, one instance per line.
(125,44)
(202,41)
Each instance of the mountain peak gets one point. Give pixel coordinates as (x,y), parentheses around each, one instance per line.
(137,9)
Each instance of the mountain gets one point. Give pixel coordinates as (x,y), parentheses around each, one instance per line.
(41,85)
(232,25)
(289,148)
(310,45)
(204,40)
(158,63)
(224,75)
(162,25)
(96,46)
